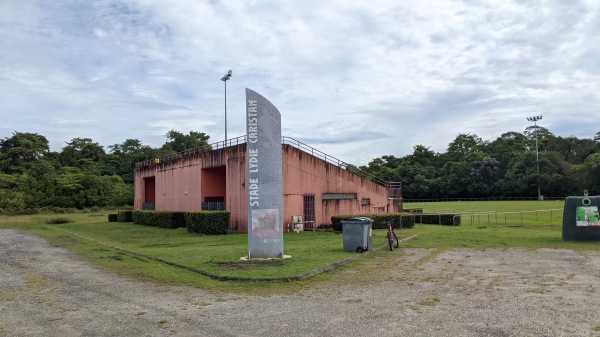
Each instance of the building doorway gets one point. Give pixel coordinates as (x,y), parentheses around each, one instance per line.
(309,212)
(214,187)
(149,202)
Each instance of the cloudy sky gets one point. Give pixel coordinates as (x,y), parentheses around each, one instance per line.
(354,79)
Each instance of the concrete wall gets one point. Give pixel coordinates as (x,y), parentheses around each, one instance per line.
(179,185)
(306,174)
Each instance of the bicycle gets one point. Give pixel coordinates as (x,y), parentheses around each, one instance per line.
(392,237)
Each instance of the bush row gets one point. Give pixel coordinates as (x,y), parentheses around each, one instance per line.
(203,222)
(208,222)
(439,219)
(124,216)
(164,219)
(379,220)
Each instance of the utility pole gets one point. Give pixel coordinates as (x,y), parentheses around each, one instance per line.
(534,119)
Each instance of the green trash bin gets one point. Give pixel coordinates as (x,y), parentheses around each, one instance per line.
(357,233)
(581,218)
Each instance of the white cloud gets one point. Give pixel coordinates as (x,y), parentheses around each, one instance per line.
(358,79)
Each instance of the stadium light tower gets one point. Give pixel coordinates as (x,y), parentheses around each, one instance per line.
(225,79)
(534,119)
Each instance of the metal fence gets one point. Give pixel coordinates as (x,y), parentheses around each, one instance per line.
(523,218)
(483,199)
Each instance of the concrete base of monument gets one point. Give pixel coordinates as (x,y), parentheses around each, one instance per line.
(245,258)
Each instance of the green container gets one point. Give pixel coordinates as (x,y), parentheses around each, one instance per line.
(581,221)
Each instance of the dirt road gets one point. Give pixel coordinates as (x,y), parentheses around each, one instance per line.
(48,291)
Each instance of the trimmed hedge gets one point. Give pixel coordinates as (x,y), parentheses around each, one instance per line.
(439,219)
(164,219)
(204,222)
(208,222)
(113,217)
(379,220)
(124,216)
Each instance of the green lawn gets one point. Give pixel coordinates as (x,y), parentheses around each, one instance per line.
(497,206)
(218,255)
(310,250)
(499,213)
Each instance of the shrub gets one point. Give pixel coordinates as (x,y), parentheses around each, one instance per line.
(165,219)
(55,221)
(124,216)
(379,220)
(112,217)
(439,219)
(208,222)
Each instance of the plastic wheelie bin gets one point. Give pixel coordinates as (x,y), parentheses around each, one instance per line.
(357,234)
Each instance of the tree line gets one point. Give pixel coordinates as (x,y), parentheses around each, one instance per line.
(81,175)
(84,175)
(505,167)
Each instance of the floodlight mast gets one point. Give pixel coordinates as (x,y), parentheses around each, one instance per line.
(226,78)
(534,119)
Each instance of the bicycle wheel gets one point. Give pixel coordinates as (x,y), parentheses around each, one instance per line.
(390,241)
(395,241)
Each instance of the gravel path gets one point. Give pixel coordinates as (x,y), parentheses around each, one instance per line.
(48,291)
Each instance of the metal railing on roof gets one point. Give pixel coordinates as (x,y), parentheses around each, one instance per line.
(394,188)
(190,152)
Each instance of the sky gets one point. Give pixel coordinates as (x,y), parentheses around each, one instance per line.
(354,79)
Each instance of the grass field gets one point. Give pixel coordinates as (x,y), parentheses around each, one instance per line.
(535,227)
(499,213)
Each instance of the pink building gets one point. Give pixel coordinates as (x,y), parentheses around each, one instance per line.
(315,186)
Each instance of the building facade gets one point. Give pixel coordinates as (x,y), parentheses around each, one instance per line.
(315,186)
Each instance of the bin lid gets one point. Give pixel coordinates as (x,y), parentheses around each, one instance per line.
(359,220)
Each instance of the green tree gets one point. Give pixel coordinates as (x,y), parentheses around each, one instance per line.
(178,142)
(591,169)
(13,189)
(124,156)
(463,145)
(485,172)
(571,149)
(85,154)
(508,147)
(19,152)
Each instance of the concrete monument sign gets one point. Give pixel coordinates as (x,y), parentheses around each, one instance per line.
(265,187)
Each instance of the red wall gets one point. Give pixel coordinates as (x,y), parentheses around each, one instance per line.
(306,174)
(182,183)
